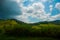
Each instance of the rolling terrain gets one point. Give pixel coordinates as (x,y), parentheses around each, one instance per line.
(13,27)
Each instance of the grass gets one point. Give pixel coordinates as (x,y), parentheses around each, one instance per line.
(40,31)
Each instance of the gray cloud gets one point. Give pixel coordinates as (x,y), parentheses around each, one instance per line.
(9,9)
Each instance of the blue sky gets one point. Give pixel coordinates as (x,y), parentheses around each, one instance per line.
(30,11)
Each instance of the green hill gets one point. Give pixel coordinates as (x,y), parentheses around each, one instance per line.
(41,29)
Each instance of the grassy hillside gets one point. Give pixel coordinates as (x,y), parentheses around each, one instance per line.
(14,27)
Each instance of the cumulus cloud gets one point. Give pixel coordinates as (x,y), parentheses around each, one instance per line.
(57,6)
(23,18)
(38,5)
(51,7)
(55,17)
(36,10)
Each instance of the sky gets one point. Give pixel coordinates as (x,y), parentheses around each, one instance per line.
(30,11)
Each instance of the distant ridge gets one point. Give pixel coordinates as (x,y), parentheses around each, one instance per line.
(20,22)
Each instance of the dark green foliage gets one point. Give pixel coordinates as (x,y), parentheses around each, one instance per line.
(17,28)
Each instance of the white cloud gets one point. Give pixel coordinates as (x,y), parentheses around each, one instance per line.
(57,6)
(51,7)
(55,17)
(23,18)
(38,5)
(18,1)
(36,10)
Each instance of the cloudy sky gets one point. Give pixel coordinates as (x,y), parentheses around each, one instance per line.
(30,11)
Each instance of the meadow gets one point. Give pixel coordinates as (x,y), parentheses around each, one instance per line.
(16,30)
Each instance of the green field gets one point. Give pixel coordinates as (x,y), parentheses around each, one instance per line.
(16,30)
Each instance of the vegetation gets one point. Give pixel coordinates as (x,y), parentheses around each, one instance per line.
(17,28)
